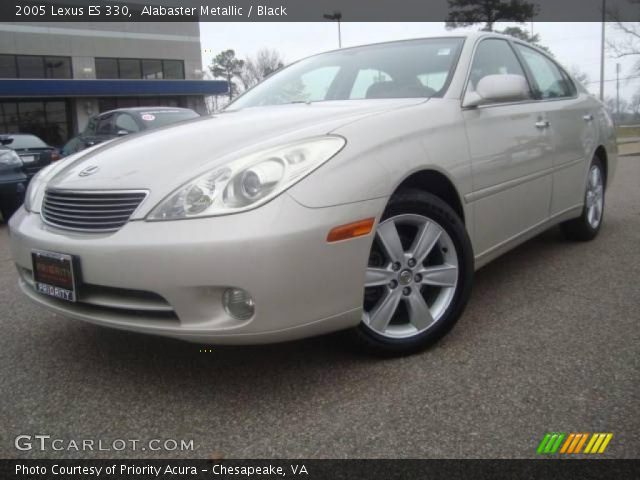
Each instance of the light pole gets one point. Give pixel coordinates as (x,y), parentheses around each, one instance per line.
(618,90)
(604,6)
(337,16)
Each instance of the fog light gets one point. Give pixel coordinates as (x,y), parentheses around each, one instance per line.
(238,303)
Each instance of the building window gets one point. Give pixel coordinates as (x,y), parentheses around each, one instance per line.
(30,66)
(152,69)
(47,119)
(129,68)
(57,67)
(106,68)
(133,68)
(9,117)
(34,66)
(8,67)
(173,69)
(106,104)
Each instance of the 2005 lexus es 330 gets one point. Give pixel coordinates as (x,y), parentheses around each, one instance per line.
(355,190)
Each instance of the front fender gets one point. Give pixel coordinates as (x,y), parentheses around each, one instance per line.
(383,150)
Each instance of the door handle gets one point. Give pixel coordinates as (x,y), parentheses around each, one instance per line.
(542,124)
(587,118)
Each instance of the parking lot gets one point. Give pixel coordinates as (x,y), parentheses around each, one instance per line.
(549,342)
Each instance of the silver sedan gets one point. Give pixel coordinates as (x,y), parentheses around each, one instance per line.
(355,190)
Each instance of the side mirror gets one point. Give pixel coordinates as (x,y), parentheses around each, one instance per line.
(122,133)
(496,89)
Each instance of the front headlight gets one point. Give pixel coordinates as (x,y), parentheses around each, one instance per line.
(247,182)
(9,159)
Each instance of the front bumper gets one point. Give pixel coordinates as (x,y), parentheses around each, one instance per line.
(167,278)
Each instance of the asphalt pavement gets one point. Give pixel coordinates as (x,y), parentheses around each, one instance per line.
(550,342)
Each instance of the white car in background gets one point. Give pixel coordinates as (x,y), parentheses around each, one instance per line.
(354,190)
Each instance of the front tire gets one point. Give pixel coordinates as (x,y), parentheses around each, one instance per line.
(587,225)
(419,275)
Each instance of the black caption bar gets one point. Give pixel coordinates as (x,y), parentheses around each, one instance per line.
(314,11)
(319,469)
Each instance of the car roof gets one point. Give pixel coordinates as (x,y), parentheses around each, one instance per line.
(23,134)
(469,35)
(145,109)
(13,135)
(472,35)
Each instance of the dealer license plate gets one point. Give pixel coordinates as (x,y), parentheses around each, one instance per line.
(53,274)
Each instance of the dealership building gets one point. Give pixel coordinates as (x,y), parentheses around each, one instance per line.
(54,76)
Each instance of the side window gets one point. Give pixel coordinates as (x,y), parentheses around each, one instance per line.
(103,126)
(90,129)
(573,89)
(125,122)
(493,57)
(364,79)
(72,146)
(550,81)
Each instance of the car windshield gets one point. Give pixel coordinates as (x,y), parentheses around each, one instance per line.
(26,141)
(408,69)
(159,118)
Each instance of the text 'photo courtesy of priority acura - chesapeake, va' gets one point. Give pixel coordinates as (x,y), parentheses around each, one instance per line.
(356,190)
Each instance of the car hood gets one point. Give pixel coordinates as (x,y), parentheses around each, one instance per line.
(163,159)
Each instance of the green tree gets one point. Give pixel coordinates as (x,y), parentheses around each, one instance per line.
(463,13)
(626,42)
(226,65)
(263,64)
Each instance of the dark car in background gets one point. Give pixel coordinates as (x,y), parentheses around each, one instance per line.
(22,155)
(34,153)
(124,121)
(13,181)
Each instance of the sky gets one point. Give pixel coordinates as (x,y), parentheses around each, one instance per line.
(573,44)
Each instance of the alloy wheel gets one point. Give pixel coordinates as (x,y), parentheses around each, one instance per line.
(594,196)
(411,278)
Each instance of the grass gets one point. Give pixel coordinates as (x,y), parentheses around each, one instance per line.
(631,131)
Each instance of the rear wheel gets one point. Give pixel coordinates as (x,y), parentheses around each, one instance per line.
(419,275)
(588,224)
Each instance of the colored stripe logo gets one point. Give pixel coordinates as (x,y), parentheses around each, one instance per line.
(574,443)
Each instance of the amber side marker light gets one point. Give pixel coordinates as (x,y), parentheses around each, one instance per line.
(351,230)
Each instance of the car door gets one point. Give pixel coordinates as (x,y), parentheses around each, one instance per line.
(511,155)
(570,112)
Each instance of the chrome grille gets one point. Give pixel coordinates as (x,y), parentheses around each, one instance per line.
(91,211)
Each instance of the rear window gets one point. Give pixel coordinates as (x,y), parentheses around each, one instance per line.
(159,118)
(26,141)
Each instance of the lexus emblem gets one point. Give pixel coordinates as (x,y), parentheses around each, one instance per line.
(89,171)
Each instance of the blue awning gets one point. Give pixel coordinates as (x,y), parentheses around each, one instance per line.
(108,88)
